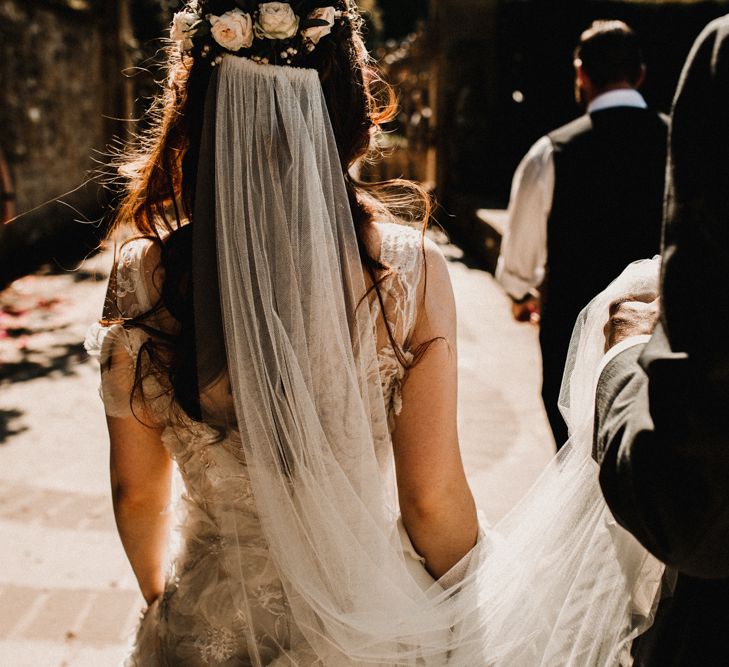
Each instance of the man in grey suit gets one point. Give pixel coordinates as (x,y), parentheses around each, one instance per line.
(662,412)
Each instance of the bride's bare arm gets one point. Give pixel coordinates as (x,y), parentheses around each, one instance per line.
(141,473)
(437,506)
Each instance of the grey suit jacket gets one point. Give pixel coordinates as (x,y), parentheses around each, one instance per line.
(662,410)
(662,427)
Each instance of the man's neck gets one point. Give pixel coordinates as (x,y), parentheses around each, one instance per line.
(624,85)
(617,96)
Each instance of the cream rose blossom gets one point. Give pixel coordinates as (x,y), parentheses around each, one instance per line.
(315,33)
(276,20)
(233,30)
(181,30)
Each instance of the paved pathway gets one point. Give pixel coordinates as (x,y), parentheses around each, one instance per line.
(67,595)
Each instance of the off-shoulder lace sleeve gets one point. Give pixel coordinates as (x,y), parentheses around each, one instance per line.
(402,253)
(117,347)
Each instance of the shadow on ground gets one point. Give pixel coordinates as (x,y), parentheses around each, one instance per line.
(59,358)
(7,428)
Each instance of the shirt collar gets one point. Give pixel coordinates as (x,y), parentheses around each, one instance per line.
(623,97)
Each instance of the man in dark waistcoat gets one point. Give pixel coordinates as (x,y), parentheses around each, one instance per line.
(662,415)
(586,200)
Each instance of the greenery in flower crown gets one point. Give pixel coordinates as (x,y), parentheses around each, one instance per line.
(282,33)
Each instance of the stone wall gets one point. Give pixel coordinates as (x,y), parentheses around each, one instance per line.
(56,86)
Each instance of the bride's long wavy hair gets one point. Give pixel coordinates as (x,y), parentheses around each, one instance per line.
(159,171)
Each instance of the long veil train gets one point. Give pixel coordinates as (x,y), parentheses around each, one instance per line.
(557,582)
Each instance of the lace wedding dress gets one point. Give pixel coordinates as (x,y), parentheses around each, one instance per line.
(203,616)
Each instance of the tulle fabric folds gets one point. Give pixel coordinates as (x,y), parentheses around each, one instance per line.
(556,583)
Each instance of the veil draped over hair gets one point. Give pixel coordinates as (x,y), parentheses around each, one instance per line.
(287,357)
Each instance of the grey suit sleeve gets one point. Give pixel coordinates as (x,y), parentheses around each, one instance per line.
(664,456)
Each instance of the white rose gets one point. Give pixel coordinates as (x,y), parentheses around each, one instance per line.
(233,30)
(315,33)
(182,23)
(276,20)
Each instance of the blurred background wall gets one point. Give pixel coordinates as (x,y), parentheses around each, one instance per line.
(73,76)
(60,90)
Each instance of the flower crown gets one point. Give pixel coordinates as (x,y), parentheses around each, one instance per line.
(266,32)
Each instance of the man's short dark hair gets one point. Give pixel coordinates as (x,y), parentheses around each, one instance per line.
(610,53)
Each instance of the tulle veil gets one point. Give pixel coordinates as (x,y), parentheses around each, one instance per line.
(285,342)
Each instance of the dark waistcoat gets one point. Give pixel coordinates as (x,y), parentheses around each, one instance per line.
(607,210)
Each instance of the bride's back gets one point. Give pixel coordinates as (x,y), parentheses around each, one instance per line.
(138,296)
(247,347)
(198,617)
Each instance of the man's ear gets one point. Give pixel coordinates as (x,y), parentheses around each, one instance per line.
(580,74)
(641,77)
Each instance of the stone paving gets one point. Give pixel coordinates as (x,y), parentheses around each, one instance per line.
(67,594)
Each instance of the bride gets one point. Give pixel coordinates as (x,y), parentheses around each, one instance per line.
(277,338)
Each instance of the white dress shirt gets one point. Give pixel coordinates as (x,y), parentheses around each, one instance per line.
(523,256)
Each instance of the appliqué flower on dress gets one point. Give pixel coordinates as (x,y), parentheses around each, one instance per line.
(127,273)
(217,644)
(271,598)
